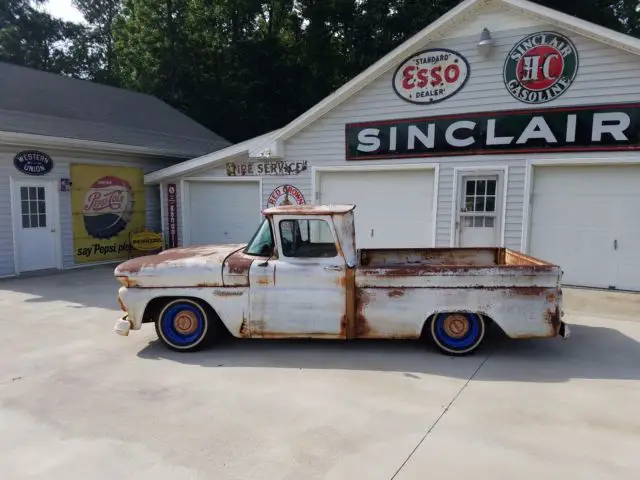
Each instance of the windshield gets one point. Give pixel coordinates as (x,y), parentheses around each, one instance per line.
(262,242)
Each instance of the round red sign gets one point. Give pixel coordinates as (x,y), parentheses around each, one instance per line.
(541,67)
(431,76)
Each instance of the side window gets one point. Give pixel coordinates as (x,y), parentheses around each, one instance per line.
(307,239)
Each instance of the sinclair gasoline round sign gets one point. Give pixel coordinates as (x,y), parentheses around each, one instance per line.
(431,76)
(541,67)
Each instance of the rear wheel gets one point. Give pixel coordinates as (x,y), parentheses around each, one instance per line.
(458,333)
(184,325)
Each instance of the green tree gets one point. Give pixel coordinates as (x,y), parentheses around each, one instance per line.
(97,44)
(33,38)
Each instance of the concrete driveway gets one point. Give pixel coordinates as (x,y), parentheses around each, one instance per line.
(77,401)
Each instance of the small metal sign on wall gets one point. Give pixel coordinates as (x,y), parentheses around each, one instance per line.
(172,214)
(285,195)
(271,168)
(33,162)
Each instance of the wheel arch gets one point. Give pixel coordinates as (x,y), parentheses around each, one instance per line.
(155,306)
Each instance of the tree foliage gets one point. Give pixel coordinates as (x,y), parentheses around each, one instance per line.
(240,67)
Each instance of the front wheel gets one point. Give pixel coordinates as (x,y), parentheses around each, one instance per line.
(184,325)
(458,333)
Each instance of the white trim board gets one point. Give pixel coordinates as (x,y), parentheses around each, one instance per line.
(557,162)
(54,213)
(184,209)
(315,171)
(503,172)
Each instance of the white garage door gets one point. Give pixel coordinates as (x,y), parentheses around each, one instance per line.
(394,208)
(222,212)
(586,220)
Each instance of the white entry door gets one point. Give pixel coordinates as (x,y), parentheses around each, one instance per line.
(478,211)
(35,224)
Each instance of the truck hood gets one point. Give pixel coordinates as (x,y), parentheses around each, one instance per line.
(178,267)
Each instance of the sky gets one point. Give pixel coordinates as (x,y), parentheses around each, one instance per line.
(64,9)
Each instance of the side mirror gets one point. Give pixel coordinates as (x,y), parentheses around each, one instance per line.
(266,250)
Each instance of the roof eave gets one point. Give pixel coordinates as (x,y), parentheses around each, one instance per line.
(204,162)
(74,144)
(376,70)
(577,25)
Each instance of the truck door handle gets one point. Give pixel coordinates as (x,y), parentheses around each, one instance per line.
(615,244)
(333,269)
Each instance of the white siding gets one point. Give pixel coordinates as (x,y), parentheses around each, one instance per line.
(62,161)
(605,75)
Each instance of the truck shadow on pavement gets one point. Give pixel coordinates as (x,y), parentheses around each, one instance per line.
(591,353)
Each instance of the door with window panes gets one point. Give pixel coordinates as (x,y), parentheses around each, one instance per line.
(35,226)
(478,206)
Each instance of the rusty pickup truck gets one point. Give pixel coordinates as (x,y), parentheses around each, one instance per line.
(301,276)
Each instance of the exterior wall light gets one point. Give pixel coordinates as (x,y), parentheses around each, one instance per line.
(486,43)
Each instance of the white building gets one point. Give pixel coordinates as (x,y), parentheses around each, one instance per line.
(530,141)
(66,147)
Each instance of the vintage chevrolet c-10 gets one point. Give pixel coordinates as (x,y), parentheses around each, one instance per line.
(301,276)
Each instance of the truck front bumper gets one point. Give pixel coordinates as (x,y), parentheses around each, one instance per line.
(123,326)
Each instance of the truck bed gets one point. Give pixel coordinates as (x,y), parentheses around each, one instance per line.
(397,289)
(446,257)
(453,268)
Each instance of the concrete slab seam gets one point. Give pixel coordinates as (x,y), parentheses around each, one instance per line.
(444,412)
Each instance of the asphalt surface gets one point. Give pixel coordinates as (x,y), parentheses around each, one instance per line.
(77,401)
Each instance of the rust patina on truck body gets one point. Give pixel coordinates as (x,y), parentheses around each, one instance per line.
(301,276)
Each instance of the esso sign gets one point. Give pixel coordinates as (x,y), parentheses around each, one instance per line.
(431,76)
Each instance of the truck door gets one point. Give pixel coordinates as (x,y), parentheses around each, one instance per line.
(302,292)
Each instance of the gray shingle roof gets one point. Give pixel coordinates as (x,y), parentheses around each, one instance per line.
(43,103)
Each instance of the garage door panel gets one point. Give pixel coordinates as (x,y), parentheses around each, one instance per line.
(223,212)
(393,208)
(577,214)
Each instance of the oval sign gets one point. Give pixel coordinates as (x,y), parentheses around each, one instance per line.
(147,241)
(33,162)
(431,76)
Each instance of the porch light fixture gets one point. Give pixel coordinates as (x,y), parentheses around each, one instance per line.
(485,45)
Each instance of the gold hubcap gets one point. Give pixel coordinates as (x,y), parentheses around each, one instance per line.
(456,325)
(186,322)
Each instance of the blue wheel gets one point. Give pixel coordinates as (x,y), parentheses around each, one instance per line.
(183,325)
(458,333)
